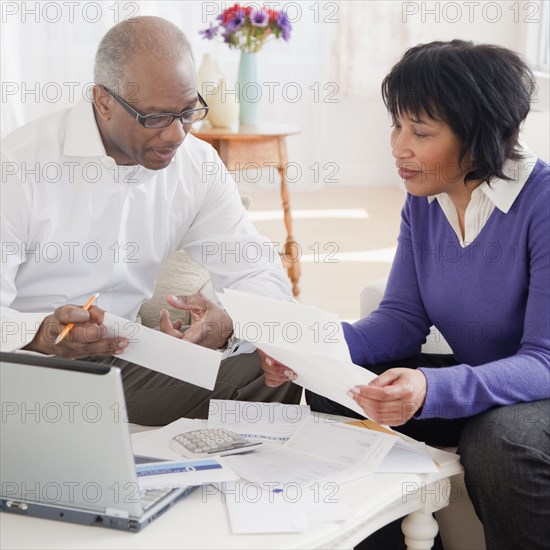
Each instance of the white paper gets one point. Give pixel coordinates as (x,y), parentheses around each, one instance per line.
(405,458)
(268,422)
(325,376)
(309,341)
(341,443)
(163,353)
(288,325)
(281,468)
(317,451)
(252,510)
(182,473)
(322,503)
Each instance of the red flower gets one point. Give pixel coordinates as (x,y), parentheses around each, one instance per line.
(229,13)
(273,14)
(248,35)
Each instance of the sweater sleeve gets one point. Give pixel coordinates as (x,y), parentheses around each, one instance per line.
(398,328)
(466,390)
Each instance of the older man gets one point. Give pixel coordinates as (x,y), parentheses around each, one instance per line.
(111,189)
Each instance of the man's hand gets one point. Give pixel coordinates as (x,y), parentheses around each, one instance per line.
(393,397)
(86,338)
(211,326)
(275,373)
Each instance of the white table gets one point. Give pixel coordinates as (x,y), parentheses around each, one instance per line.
(201,520)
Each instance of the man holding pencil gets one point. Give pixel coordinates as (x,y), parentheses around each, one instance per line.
(128,193)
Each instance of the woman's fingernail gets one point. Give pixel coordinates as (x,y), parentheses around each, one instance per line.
(355,390)
(290,375)
(351,394)
(123,344)
(268,361)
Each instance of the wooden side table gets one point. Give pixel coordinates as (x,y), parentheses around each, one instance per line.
(264,145)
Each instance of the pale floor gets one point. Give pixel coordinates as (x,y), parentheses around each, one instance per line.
(346,235)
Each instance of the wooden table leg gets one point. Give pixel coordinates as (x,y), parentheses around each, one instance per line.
(291,250)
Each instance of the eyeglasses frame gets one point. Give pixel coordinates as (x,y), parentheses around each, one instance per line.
(138,117)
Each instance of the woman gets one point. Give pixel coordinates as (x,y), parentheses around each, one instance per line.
(473,259)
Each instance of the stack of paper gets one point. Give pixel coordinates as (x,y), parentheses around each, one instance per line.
(275,422)
(277,489)
(318,451)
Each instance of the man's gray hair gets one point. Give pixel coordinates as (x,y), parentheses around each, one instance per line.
(139,35)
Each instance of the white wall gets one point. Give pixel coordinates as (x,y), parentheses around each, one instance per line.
(344,140)
(362,149)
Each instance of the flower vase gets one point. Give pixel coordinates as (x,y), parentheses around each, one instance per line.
(250,91)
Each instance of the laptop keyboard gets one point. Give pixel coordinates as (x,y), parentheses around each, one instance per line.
(148,497)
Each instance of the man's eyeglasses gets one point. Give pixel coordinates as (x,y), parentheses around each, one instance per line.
(161,120)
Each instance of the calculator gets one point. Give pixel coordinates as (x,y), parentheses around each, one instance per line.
(210,442)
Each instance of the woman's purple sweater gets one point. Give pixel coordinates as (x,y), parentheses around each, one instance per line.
(490,300)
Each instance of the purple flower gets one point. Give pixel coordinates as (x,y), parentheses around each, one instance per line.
(284,23)
(237,21)
(226,37)
(210,32)
(259,18)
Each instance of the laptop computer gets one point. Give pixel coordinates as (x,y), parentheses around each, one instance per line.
(66,452)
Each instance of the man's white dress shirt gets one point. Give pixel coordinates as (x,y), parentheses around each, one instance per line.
(74,223)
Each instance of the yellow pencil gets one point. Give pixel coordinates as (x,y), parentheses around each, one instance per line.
(69,327)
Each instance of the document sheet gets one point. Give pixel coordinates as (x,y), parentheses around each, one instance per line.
(406,456)
(309,341)
(252,510)
(317,451)
(163,353)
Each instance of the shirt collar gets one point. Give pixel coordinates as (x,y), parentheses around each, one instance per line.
(503,193)
(82,137)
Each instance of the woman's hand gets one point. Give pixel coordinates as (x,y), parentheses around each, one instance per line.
(275,373)
(393,397)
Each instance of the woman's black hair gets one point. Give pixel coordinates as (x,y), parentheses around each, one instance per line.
(483,92)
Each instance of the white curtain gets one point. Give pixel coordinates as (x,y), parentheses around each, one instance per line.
(544,39)
(48,49)
(338,54)
(47,63)
(368,39)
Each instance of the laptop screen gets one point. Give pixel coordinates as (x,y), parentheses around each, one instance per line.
(64,435)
